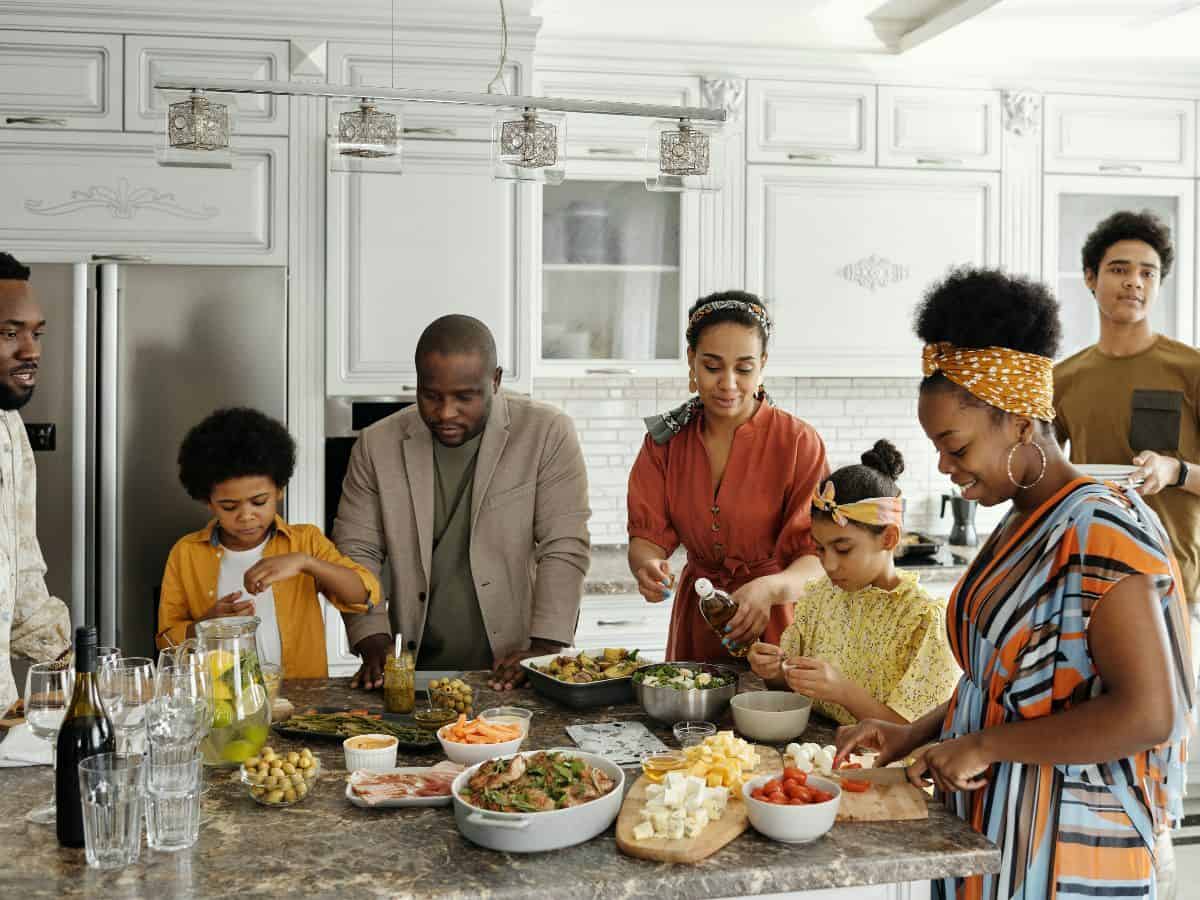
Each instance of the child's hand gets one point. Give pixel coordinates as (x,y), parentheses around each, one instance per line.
(266,572)
(764,660)
(814,678)
(230,605)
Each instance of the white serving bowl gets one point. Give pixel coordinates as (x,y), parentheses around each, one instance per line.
(773,717)
(792,824)
(361,759)
(472,754)
(509,715)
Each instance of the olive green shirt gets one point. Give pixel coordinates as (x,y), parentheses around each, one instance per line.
(455,636)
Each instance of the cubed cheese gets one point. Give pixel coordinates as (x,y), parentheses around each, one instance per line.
(695,822)
(643,831)
(654,790)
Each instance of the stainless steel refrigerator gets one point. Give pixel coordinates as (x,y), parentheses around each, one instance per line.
(134,355)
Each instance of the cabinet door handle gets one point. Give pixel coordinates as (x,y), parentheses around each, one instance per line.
(120,258)
(811,157)
(610,371)
(431,131)
(35,120)
(408,388)
(607,623)
(936,161)
(1120,167)
(610,151)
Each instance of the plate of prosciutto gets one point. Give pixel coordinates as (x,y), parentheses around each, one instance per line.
(406,786)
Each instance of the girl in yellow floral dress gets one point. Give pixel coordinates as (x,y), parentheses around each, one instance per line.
(867,641)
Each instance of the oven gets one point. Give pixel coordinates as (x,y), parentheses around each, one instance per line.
(345,418)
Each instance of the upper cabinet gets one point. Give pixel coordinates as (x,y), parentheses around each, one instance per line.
(404,250)
(811,122)
(842,256)
(150,58)
(614,137)
(1120,135)
(52,79)
(935,128)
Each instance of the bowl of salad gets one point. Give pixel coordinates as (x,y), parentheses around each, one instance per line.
(677,691)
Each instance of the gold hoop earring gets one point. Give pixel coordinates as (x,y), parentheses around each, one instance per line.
(1042,474)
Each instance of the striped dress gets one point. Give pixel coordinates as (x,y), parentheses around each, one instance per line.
(1018,624)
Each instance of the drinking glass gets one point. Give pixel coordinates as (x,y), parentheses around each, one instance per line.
(125,689)
(106,656)
(183,654)
(173,800)
(111,786)
(48,688)
(180,714)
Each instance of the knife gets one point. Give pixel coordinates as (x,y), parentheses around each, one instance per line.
(885,775)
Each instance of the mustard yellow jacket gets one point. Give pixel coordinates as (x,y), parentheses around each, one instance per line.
(189,588)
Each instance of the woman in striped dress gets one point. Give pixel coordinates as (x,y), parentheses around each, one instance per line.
(1064,740)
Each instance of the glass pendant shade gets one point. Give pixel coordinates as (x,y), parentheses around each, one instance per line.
(198,132)
(366,138)
(689,156)
(528,146)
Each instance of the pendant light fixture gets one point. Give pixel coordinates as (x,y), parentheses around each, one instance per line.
(528,146)
(198,133)
(690,156)
(367,138)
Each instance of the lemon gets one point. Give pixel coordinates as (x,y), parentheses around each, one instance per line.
(238,751)
(222,714)
(255,734)
(219,661)
(221,690)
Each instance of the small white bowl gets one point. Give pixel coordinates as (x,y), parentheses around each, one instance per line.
(509,715)
(773,717)
(472,754)
(792,824)
(363,759)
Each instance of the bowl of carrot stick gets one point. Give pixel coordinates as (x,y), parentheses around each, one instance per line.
(471,741)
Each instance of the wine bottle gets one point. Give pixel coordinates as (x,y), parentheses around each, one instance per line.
(86,731)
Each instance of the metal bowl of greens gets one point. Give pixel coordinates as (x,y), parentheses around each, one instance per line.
(678,691)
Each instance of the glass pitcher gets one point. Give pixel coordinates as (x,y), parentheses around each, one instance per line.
(241,715)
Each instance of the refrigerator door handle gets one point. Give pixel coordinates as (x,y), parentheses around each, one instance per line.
(107,317)
(80,529)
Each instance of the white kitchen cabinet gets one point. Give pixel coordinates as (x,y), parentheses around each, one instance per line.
(1075,205)
(938,128)
(67,194)
(53,79)
(150,58)
(371,64)
(1120,135)
(624,620)
(404,250)
(620,267)
(842,256)
(811,123)
(614,137)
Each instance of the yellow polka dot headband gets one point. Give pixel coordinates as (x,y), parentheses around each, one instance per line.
(873,511)
(1016,382)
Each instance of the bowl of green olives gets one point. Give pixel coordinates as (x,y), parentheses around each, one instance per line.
(281,779)
(451,693)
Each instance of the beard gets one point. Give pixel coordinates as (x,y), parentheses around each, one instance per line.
(12,399)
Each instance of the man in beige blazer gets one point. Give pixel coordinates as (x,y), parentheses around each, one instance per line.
(476,500)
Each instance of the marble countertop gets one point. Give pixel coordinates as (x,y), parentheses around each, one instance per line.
(326,846)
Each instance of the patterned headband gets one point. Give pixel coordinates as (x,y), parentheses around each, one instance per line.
(1016,382)
(873,511)
(754,309)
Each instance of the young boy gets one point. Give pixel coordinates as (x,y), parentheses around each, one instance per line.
(248,560)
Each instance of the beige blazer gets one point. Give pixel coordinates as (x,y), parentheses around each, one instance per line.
(529,513)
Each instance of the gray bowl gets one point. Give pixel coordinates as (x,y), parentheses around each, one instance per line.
(671,706)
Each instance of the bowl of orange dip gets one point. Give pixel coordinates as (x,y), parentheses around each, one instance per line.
(370,752)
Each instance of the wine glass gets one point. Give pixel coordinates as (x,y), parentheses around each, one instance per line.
(106,656)
(48,688)
(125,689)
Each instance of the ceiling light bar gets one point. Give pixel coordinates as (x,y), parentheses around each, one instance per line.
(417,95)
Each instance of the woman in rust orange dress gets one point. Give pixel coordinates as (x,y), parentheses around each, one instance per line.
(731,478)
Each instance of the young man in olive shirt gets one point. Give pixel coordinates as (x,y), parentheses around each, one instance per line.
(1134,397)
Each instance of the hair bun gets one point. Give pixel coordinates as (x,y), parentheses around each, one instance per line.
(885,458)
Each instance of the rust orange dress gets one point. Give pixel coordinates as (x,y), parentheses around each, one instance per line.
(757,524)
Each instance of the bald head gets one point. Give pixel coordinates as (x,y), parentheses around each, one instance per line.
(457,335)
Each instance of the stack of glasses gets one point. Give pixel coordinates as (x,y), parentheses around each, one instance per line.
(177,720)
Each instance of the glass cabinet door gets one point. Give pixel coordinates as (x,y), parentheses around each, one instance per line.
(1075,206)
(611,273)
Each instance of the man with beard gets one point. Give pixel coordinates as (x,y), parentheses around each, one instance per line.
(32,623)
(477,500)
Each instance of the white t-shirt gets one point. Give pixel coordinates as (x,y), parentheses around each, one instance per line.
(234,565)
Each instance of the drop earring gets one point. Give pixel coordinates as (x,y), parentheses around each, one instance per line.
(693,387)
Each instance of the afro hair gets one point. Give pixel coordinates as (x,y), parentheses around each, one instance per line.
(1142,226)
(235,443)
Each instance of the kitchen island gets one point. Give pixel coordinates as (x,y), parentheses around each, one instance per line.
(326,846)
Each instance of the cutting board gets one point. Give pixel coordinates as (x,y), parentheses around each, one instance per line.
(689,850)
(884,803)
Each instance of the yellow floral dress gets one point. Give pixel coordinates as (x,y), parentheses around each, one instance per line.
(891,643)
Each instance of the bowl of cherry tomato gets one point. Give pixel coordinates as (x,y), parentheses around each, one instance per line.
(793,807)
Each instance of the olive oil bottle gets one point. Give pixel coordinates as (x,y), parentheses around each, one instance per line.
(717,608)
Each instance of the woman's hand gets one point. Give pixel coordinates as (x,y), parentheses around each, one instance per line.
(754,600)
(960,764)
(815,678)
(229,605)
(764,661)
(890,740)
(655,580)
